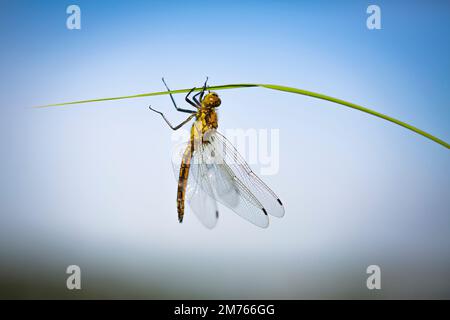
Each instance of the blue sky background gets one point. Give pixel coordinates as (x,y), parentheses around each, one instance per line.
(92,184)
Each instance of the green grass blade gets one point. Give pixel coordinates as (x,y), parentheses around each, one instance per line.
(159,93)
(357,107)
(272,87)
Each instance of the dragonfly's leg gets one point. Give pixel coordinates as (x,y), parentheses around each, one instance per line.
(201,93)
(189,101)
(173,100)
(204,89)
(195,97)
(167,121)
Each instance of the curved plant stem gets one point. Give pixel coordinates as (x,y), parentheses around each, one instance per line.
(273,87)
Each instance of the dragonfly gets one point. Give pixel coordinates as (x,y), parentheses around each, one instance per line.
(212,171)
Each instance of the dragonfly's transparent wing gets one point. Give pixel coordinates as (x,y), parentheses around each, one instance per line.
(223,183)
(218,172)
(199,194)
(243,175)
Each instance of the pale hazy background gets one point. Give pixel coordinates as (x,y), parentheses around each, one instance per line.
(92,185)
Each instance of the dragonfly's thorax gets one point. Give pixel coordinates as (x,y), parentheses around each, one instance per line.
(206,120)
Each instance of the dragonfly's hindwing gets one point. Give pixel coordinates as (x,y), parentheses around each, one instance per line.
(196,190)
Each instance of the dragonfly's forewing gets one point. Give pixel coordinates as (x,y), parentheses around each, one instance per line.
(226,188)
(243,174)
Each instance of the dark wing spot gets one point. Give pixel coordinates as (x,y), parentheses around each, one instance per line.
(279,201)
(217,213)
(264,210)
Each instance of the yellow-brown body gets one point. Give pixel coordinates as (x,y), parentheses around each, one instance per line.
(205,120)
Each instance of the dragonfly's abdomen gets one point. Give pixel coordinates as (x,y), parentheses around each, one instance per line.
(182,180)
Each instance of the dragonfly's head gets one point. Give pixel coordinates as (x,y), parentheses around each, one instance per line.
(211,100)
